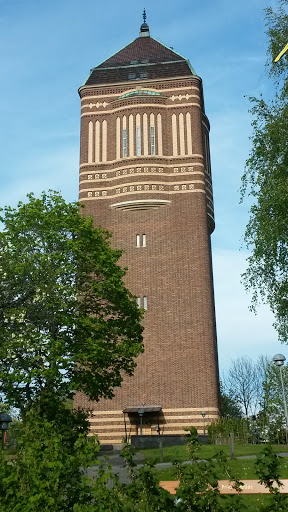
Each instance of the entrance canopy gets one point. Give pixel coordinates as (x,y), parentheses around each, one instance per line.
(142,408)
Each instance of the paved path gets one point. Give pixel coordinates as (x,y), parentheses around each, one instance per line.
(119,466)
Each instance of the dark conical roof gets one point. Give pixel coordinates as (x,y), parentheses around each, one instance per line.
(143,56)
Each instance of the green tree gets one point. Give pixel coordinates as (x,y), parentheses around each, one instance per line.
(273,407)
(268,471)
(266,181)
(229,406)
(244,382)
(67,322)
(48,471)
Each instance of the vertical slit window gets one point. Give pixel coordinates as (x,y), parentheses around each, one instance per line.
(138,140)
(145,302)
(137,240)
(90,142)
(124,143)
(138,300)
(152,140)
(143,240)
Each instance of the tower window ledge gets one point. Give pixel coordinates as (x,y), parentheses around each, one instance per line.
(141,204)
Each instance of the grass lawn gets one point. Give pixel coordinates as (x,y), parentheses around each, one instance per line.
(179,453)
(241,468)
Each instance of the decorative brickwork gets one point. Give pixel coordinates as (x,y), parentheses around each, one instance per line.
(145,169)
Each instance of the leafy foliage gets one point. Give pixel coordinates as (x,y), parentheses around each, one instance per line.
(47,472)
(198,489)
(266,178)
(243,430)
(268,466)
(229,406)
(273,409)
(67,322)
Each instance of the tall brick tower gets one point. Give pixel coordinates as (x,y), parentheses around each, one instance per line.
(145,175)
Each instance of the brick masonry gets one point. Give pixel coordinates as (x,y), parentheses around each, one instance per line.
(179,368)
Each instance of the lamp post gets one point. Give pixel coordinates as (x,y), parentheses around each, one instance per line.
(203,414)
(279,361)
(141,412)
(5,419)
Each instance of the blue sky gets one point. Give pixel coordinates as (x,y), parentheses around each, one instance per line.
(47,50)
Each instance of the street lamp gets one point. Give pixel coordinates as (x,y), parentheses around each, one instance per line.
(279,361)
(5,419)
(141,413)
(203,414)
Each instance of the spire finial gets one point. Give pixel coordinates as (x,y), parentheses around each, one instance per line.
(144,29)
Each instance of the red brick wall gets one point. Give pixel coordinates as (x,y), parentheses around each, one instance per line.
(179,368)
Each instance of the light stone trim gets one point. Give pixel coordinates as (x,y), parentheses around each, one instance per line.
(117,94)
(97,105)
(190,168)
(105,420)
(115,178)
(145,83)
(99,413)
(95,421)
(184,97)
(106,434)
(142,202)
(137,106)
(157,157)
(167,192)
(192,409)
(108,441)
(120,427)
(135,183)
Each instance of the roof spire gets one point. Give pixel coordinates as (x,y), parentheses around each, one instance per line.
(144,29)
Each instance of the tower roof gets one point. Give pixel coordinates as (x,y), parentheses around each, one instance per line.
(143,58)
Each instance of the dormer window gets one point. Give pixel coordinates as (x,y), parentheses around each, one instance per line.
(132,76)
(143,74)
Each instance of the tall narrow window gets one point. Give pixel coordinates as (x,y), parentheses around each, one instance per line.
(152,140)
(138,300)
(143,240)
(137,240)
(90,142)
(145,302)
(118,143)
(138,140)
(124,143)
(174,136)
